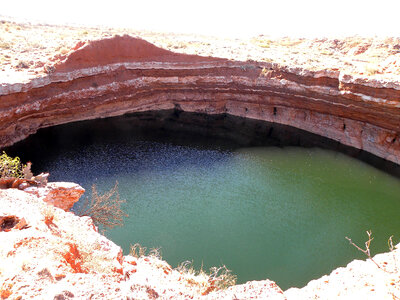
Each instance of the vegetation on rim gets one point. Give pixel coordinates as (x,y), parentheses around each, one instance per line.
(217,277)
(104,209)
(12,167)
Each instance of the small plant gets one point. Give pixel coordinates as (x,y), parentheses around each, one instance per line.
(137,250)
(367,250)
(104,209)
(11,167)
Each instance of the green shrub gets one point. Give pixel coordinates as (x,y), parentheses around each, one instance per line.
(11,167)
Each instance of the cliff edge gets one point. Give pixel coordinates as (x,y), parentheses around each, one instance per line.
(47,252)
(125,74)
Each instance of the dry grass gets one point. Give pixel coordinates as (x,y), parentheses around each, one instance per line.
(137,250)
(222,277)
(218,277)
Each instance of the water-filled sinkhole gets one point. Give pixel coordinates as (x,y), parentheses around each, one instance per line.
(265,200)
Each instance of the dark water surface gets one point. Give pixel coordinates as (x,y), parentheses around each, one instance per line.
(229,191)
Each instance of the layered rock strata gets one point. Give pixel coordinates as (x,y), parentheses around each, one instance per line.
(122,75)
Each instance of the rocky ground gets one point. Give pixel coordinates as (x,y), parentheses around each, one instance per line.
(26,49)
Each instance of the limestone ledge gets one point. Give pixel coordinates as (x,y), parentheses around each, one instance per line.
(120,75)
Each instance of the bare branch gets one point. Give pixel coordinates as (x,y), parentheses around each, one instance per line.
(104,209)
(367,251)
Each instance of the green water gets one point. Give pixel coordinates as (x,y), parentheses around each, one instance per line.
(264,212)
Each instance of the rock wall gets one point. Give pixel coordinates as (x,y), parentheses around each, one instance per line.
(121,75)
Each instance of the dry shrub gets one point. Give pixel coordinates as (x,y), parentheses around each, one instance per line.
(367,251)
(104,209)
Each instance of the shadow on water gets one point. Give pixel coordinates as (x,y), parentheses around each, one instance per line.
(267,200)
(220,131)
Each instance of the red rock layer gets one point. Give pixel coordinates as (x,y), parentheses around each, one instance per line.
(123,75)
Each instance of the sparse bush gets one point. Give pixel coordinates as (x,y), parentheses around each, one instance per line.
(104,209)
(11,167)
(367,250)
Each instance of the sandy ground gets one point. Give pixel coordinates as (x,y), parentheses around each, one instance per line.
(25,49)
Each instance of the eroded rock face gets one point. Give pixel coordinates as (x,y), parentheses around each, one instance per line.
(121,75)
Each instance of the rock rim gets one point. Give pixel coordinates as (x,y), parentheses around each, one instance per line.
(124,74)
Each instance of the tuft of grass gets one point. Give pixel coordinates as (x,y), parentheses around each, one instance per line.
(221,277)
(137,250)
(218,277)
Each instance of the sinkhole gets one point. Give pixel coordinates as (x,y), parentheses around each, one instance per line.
(266,200)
